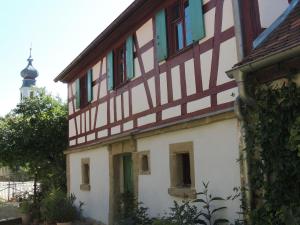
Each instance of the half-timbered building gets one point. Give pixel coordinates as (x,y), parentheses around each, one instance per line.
(151,110)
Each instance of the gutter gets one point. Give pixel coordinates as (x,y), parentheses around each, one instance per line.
(240,73)
(104,35)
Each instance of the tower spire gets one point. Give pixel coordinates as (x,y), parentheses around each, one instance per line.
(30,59)
(29,75)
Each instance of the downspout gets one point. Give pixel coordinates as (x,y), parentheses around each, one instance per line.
(243,97)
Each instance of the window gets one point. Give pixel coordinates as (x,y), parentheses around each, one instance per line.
(84,90)
(85,174)
(179,23)
(144,162)
(120,64)
(177,27)
(182,170)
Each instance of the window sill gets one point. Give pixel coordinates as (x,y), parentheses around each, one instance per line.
(145,172)
(177,53)
(85,187)
(189,193)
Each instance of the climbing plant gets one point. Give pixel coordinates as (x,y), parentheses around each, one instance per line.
(273,148)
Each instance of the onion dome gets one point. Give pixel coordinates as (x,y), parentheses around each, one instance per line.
(29,73)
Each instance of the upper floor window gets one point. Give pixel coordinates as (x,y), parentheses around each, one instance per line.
(84,89)
(120,64)
(177,27)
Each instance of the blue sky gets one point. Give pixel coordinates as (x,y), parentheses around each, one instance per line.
(58,30)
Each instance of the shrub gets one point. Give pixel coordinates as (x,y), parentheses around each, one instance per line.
(58,207)
(26,206)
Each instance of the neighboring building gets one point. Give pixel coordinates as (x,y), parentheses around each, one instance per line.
(29,75)
(151,110)
(274,61)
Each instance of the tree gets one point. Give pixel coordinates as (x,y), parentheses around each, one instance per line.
(34,136)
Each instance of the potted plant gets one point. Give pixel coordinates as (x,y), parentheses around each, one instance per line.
(59,208)
(25,208)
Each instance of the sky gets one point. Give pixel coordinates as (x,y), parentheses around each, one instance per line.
(58,30)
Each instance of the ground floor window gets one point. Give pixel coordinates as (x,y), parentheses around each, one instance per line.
(182,170)
(85,174)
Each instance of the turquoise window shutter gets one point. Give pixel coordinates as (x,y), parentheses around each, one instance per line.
(196,26)
(90,85)
(161,35)
(77,93)
(129,58)
(110,71)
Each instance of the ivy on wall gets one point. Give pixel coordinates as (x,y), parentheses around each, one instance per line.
(273,148)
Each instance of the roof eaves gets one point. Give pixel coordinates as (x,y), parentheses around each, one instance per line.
(275,57)
(100,37)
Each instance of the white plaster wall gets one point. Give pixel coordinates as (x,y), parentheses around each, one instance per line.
(151,84)
(271,9)
(198,104)
(209,21)
(148,60)
(171,112)
(176,84)
(139,99)
(102,115)
(227,20)
(119,107)
(72,128)
(215,154)
(145,33)
(228,58)
(190,80)
(137,69)
(97,199)
(126,104)
(103,89)
(163,88)
(205,61)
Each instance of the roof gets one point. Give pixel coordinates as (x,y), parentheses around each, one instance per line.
(29,72)
(120,27)
(282,35)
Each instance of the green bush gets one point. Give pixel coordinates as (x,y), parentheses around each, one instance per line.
(131,212)
(58,207)
(202,210)
(26,206)
(273,148)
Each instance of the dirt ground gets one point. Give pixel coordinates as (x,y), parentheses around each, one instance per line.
(8,211)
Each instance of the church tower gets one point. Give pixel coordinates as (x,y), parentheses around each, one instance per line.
(29,74)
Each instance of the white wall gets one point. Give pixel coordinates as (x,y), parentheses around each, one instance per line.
(270,10)
(97,199)
(215,154)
